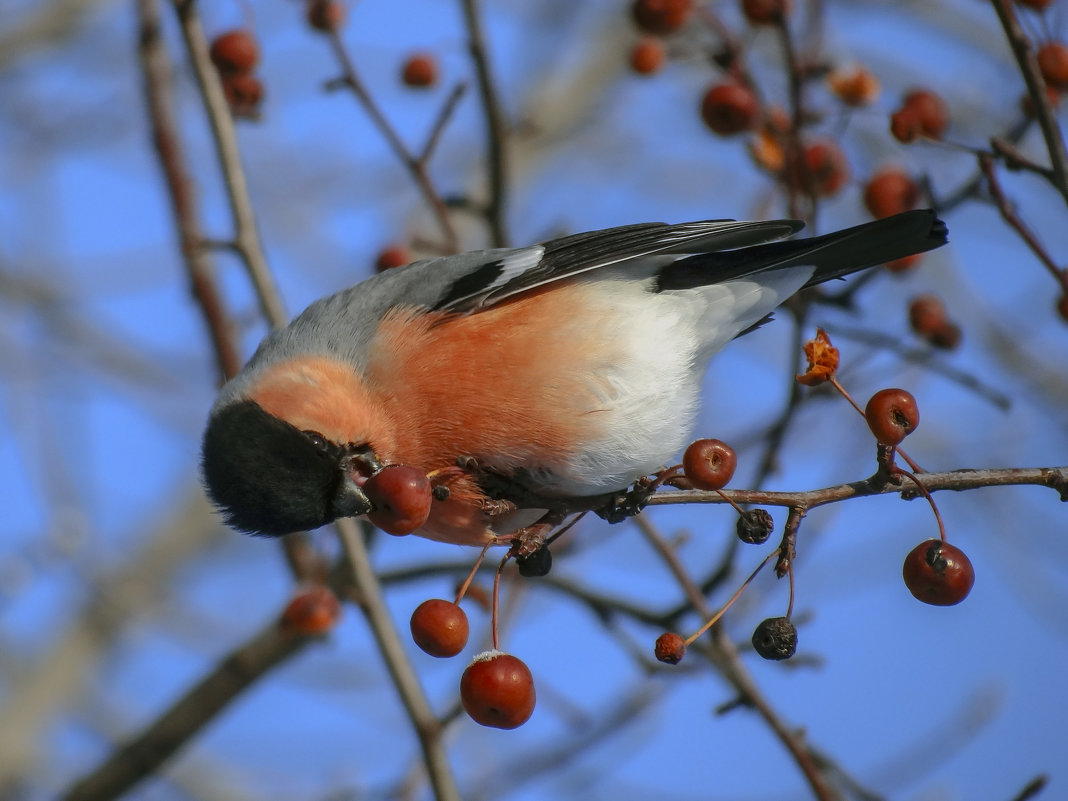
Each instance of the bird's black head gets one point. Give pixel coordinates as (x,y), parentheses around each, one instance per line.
(269,478)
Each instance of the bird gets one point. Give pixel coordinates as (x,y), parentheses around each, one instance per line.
(569,368)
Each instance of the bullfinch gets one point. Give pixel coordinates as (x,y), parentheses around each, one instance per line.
(569,368)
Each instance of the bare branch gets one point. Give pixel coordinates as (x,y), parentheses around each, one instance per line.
(144,754)
(1036,88)
(367,594)
(246,236)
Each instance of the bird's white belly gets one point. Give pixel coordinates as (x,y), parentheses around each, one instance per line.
(646,385)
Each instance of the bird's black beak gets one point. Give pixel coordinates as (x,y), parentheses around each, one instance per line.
(358,464)
(350,500)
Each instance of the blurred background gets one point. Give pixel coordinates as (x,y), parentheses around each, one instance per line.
(120,590)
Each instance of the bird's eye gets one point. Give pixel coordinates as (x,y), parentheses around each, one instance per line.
(318,440)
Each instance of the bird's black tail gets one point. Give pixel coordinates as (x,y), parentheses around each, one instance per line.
(834,255)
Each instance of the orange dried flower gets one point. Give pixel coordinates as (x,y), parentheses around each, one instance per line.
(766,150)
(822,360)
(856,87)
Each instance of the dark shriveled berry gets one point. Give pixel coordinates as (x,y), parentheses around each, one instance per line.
(754,526)
(775,638)
(536,564)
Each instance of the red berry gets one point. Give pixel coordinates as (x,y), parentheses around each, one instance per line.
(244,93)
(661,17)
(497,690)
(765,12)
(401,496)
(439,627)
(926,314)
(647,56)
(709,463)
(234,51)
(729,108)
(947,336)
(314,610)
(892,415)
(905,125)
(420,71)
(670,648)
(1053,63)
(828,166)
(904,264)
(392,256)
(938,573)
(922,113)
(890,191)
(325,15)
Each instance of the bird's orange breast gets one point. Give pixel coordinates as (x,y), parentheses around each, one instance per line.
(510,385)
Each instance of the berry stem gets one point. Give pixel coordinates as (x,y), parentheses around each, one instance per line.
(563,529)
(496,599)
(928,496)
(730,601)
(471,575)
(790,603)
(731,501)
(664,476)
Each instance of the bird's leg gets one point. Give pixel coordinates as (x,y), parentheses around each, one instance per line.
(627,503)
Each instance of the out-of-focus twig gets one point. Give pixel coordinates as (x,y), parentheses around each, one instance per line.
(144,754)
(42,689)
(726,659)
(496,133)
(986,164)
(367,594)
(926,358)
(157,73)
(416,166)
(246,239)
(1036,88)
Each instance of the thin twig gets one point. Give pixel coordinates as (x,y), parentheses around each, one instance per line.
(1053,477)
(1036,88)
(201,704)
(496,157)
(369,597)
(246,242)
(731,667)
(157,72)
(246,236)
(986,164)
(438,128)
(925,358)
(416,167)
